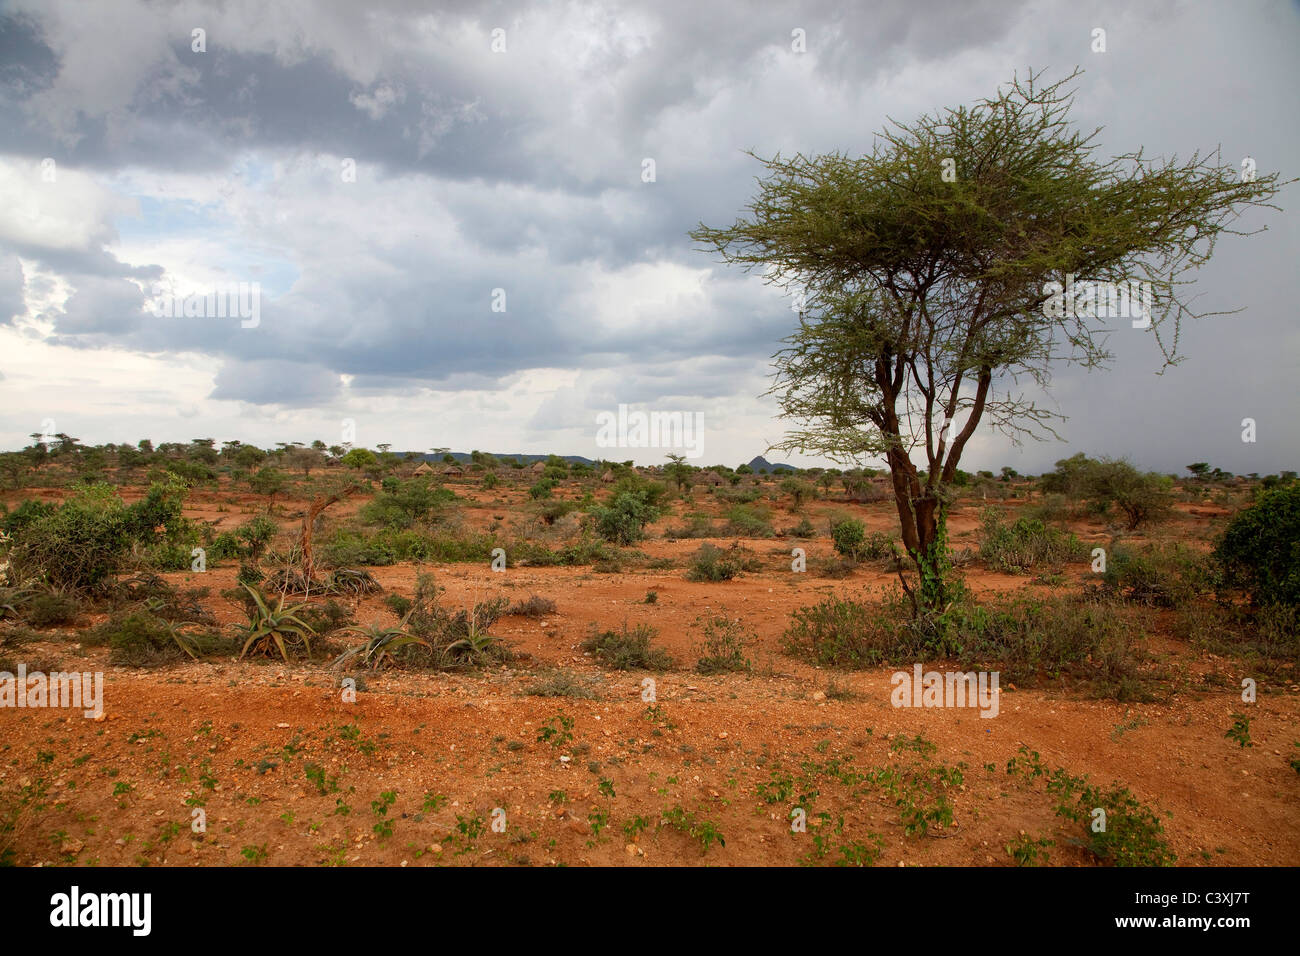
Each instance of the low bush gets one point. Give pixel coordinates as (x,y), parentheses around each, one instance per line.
(627,649)
(534,606)
(1026,544)
(623,520)
(698,525)
(711,563)
(562,683)
(1027,641)
(724,647)
(1159,576)
(749,521)
(400,504)
(141,639)
(50,609)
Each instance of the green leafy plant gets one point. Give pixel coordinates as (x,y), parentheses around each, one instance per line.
(1239,732)
(380,644)
(279,628)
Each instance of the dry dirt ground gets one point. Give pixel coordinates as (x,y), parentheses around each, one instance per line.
(418,769)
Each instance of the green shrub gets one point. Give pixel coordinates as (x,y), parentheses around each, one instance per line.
(1132,836)
(623,521)
(749,521)
(837,632)
(543,488)
(223,547)
(1140,498)
(1160,575)
(698,525)
(1030,641)
(627,649)
(804,529)
(738,496)
(711,563)
(724,646)
(51,609)
(81,544)
(141,639)
(1260,549)
(1027,641)
(28,511)
(849,536)
(400,504)
(328,617)
(553,509)
(1017,548)
(256,535)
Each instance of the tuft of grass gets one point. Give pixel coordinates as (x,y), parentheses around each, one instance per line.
(561,683)
(534,606)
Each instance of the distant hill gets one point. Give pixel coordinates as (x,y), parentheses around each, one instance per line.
(761,464)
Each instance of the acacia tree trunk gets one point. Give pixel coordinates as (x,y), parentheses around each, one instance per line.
(309,522)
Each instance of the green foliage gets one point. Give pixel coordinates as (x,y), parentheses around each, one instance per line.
(711,563)
(379,645)
(542,488)
(1239,732)
(704,832)
(1132,836)
(1139,497)
(623,520)
(360,459)
(1028,851)
(84,541)
(849,535)
(274,628)
(749,521)
(50,609)
(1260,549)
(1026,640)
(724,647)
(29,510)
(922,288)
(142,639)
(400,504)
(268,481)
(627,649)
(1018,548)
(1160,575)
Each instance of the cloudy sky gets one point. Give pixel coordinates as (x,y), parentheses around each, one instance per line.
(380,170)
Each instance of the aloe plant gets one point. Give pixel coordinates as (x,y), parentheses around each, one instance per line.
(267,627)
(11,598)
(380,643)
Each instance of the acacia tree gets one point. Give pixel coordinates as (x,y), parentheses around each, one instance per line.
(927,270)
